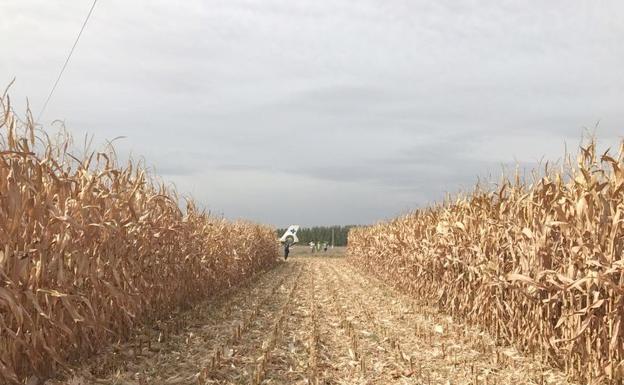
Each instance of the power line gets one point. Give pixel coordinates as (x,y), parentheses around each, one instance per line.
(66,61)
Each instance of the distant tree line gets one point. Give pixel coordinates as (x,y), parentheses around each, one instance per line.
(321,234)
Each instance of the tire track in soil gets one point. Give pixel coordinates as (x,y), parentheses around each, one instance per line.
(375,362)
(314,340)
(285,353)
(335,361)
(227,329)
(343,327)
(238,363)
(219,347)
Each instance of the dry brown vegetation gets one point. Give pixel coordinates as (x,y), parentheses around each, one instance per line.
(538,265)
(90,248)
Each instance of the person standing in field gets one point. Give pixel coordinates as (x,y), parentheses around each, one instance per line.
(286,250)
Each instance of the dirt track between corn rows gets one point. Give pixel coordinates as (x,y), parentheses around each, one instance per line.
(314,321)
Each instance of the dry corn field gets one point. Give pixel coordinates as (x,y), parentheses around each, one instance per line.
(537,265)
(90,250)
(105,280)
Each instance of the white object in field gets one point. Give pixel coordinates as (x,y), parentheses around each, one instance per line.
(290,236)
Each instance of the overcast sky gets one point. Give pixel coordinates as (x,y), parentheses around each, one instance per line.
(323,111)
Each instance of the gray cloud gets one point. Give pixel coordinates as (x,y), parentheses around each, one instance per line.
(324,111)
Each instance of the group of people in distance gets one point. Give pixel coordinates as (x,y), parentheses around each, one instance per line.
(314,246)
(318,246)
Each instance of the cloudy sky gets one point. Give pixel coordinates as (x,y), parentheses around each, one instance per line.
(323,111)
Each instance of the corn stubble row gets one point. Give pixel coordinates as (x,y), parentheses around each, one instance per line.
(538,265)
(89,249)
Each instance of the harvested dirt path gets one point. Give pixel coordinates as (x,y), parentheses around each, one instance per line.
(313,320)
